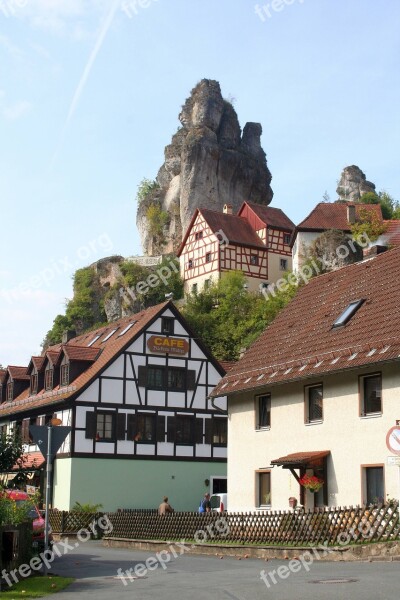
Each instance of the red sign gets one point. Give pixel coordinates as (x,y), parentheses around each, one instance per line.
(393,440)
(164,345)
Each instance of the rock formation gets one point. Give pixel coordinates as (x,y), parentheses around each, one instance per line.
(353,184)
(209,162)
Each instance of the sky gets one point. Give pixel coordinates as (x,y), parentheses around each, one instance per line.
(90,92)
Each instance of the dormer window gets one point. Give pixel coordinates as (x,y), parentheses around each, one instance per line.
(34,384)
(10,391)
(64,374)
(48,379)
(347,314)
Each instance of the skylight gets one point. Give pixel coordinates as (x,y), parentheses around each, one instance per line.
(348,313)
(93,341)
(127,328)
(108,335)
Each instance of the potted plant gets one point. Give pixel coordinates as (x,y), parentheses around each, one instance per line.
(311,483)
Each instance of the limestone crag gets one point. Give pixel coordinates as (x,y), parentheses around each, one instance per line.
(209,163)
(353,184)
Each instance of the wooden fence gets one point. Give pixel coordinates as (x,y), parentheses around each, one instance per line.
(329,526)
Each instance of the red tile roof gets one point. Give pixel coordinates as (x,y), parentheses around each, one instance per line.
(37,361)
(53,355)
(236,229)
(81,353)
(227,365)
(32,460)
(328,215)
(392,233)
(19,373)
(3,375)
(275,217)
(301,342)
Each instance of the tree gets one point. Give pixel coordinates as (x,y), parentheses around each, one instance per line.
(11,454)
(368,223)
(389,206)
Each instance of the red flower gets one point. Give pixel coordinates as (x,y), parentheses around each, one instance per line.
(311,482)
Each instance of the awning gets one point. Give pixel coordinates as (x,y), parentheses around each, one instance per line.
(301,459)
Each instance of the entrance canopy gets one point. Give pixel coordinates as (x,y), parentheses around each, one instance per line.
(301,459)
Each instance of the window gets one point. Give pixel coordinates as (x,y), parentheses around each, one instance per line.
(93,341)
(190,263)
(105,427)
(206,284)
(371,394)
(172,379)
(194,288)
(198,235)
(263,488)
(348,313)
(373,485)
(10,391)
(263,411)
(283,264)
(184,429)
(108,335)
(48,379)
(65,374)
(127,328)
(34,384)
(253,259)
(145,428)
(286,238)
(208,257)
(314,398)
(167,325)
(220,432)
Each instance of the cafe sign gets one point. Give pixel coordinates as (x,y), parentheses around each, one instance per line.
(170,345)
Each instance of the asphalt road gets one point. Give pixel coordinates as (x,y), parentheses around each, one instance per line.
(190,577)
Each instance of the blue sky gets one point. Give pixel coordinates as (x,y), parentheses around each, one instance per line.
(90,92)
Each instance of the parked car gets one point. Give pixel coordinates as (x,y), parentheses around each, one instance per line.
(35,514)
(219,502)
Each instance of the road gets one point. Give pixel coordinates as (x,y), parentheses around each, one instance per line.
(191,577)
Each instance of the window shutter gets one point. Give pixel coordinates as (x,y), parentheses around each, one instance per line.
(131,427)
(208,439)
(142,376)
(121,421)
(199,431)
(25,431)
(191,380)
(171,428)
(160,428)
(90,425)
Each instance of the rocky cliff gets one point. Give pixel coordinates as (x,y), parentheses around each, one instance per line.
(208,163)
(353,184)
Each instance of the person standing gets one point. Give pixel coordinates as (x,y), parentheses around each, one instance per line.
(165,507)
(205,505)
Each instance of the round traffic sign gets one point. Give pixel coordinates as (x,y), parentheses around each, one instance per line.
(393,440)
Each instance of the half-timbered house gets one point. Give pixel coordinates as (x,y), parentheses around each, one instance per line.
(136,394)
(256,241)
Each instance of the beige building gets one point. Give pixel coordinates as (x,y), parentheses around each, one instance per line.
(255,241)
(318,393)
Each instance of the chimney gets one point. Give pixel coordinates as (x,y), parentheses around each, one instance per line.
(227,209)
(351,214)
(68,334)
(374,250)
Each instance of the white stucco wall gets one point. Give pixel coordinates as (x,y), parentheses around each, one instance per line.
(352,440)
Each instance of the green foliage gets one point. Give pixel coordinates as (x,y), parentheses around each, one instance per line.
(369,224)
(11,452)
(145,188)
(228,318)
(389,206)
(157,219)
(87,508)
(36,587)
(82,311)
(12,512)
